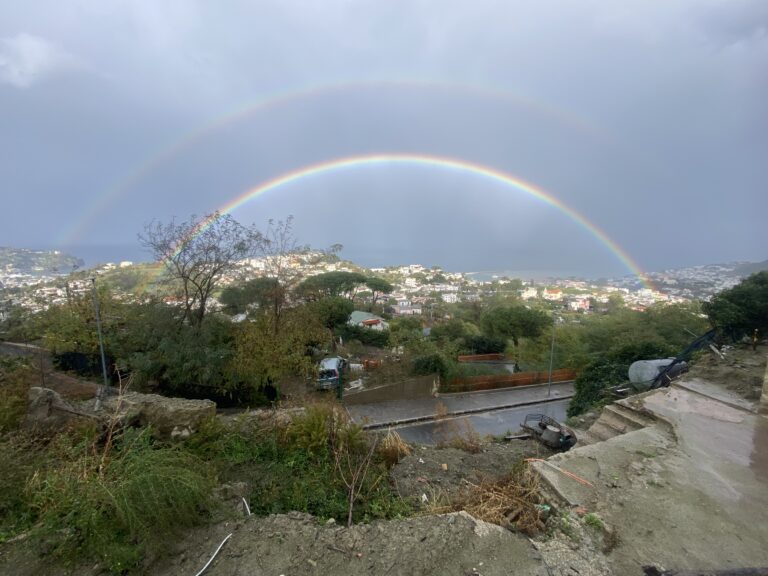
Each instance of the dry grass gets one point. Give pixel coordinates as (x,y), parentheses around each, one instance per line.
(464,436)
(457,432)
(460,434)
(393,448)
(510,501)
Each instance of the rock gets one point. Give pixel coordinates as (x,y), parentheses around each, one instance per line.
(47,411)
(176,418)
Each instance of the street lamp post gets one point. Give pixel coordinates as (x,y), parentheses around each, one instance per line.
(101,346)
(551,356)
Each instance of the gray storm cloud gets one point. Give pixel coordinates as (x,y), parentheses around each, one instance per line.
(648,117)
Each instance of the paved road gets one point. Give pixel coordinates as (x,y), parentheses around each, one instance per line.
(495,423)
(404,411)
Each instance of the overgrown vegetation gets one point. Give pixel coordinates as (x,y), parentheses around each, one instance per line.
(611,370)
(16,376)
(112,503)
(304,465)
(741,310)
(113,498)
(114,507)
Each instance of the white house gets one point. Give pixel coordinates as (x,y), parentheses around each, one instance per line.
(368,320)
(553,294)
(529,293)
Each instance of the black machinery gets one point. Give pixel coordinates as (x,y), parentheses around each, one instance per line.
(549,431)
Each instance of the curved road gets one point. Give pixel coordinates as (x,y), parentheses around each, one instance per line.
(401,412)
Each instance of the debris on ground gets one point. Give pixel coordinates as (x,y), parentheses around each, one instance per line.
(441,473)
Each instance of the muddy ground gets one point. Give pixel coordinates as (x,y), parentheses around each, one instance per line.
(297,544)
(740,370)
(431,476)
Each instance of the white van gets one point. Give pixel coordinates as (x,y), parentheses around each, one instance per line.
(329,372)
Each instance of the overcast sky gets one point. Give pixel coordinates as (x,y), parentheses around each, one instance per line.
(650,118)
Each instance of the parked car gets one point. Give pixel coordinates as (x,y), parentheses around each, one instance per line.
(329,372)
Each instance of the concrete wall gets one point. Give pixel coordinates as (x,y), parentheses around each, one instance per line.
(421,387)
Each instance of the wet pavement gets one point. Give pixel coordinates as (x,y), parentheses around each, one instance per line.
(494,423)
(688,493)
(398,412)
(728,445)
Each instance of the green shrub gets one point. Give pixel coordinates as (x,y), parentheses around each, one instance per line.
(20,457)
(229,446)
(326,427)
(369,337)
(15,379)
(611,370)
(114,508)
(293,466)
(594,521)
(433,363)
(481,344)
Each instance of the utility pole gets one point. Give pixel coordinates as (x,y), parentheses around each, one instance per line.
(103,390)
(551,355)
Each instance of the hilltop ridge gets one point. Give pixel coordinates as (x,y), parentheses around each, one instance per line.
(25,261)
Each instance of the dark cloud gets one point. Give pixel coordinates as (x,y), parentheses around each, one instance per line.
(648,118)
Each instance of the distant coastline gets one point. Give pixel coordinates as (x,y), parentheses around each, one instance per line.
(535,275)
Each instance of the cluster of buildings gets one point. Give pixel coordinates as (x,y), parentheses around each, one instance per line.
(418,290)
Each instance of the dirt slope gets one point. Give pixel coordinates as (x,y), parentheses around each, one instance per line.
(296,544)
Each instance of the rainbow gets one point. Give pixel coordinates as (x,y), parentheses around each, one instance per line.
(99,204)
(446,163)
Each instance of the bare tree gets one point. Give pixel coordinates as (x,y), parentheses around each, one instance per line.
(280,248)
(199,252)
(353,469)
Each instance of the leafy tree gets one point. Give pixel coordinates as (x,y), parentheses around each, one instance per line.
(378,287)
(615,302)
(198,252)
(674,325)
(332,312)
(481,344)
(406,331)
(262,357)
(261,292)
(471,311)
(513,322)
(18,324)
(738,311)
(450,330)
(367,336)
(331,285)
(570,350)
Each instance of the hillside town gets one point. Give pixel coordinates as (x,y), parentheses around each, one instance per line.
(418,290)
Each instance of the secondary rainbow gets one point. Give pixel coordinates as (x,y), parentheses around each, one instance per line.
(99,204)
(447,163)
